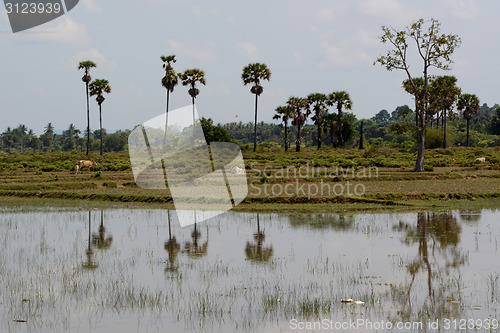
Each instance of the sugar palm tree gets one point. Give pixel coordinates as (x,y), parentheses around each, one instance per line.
(253,74)
(256,251)
(340,99)
(20,132)
(90,263)
(98,87)
(300,107)
(191,77)
(469,105)
(194,249)
(443,95)
(169,81)
(330,125)
(49,129)
(284,113)
(100,239)
(86,66)
(49,133)
(318,104)
(172,247)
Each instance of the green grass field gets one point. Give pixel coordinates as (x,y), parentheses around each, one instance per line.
(326,178)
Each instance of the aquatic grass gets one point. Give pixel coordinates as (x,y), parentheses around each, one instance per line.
(315,264)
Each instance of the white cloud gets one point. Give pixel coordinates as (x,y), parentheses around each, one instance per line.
(394,10)
(348,51)
(342,56)
(65,31)
(199,12)
(164,1)
(94,55)
(463,9)
(91,6)
(219,88)
(249,50)
(330,13)
(202,52)
(298,57)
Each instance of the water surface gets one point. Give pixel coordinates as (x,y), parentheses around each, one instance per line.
(126,270)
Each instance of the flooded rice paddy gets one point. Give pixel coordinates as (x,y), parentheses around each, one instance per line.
(122,270)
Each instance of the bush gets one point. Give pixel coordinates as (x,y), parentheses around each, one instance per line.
(48,168)
(486,143)
(268,144)
(433,138)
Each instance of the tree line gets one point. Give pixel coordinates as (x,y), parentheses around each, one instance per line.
(386,128)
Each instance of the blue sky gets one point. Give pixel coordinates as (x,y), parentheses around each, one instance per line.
(313,46)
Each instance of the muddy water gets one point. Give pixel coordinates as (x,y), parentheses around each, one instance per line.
(120,270)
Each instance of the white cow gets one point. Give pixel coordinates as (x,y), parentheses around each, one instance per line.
(83,163)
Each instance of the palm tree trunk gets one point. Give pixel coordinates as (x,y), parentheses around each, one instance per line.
(166,119)
(100,126)
(255,125)
(444,129)
(286,136)
(88,117)
(169,228)
(319,131)
(361,136)
(334,145)
(341,139)
(194,117)
(467,132)
(90,226)
(297,143)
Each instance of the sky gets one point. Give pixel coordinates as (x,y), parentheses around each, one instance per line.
(309,46)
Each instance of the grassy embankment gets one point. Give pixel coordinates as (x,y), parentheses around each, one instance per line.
(329,179)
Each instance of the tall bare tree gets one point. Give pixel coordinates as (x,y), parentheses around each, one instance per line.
(434,49)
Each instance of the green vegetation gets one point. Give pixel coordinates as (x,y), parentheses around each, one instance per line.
(375,177)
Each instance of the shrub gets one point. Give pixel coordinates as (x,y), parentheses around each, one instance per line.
(486,143)
(433,138)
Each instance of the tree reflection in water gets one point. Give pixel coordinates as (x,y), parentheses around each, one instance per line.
(172,247)
(194,249)
(100,240)
(256,251)
(338,222)
(90,263)
(438,257)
